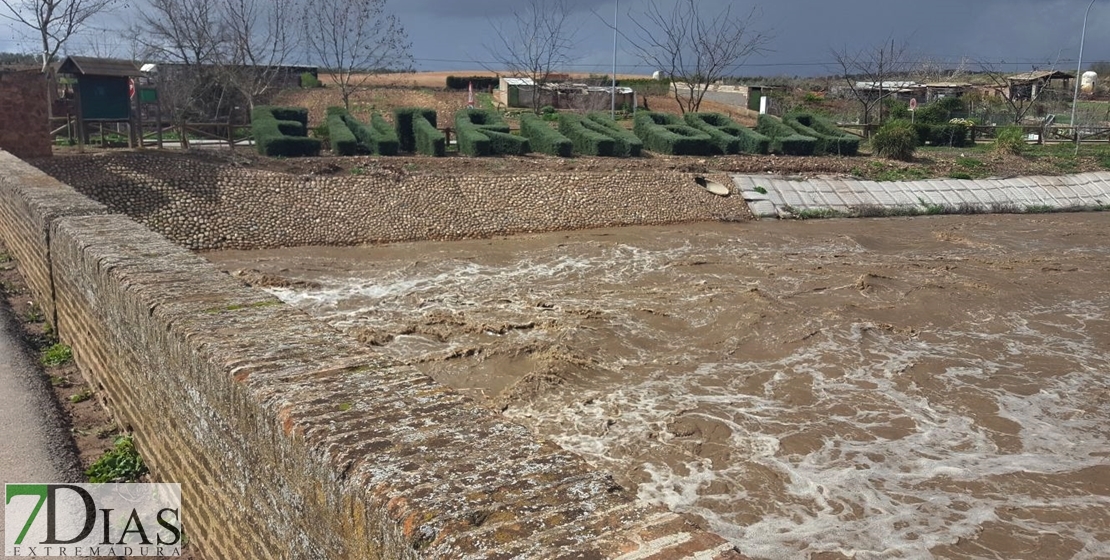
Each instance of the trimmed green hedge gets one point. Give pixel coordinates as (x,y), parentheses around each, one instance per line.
(728,136)
(403,124)
(836,143)
(481,83)
(282,137)
(483,133)
(543,138)
(784,139)
(627,143)
(666,134)
(430,141)
(586,140)
(377,138)
(343,141)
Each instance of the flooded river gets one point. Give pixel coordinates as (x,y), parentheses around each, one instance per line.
(900,388)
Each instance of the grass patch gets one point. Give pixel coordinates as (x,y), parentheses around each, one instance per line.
(81,397)
(761,190)
(1039,209)
(880,172)
(960,175)
(57,355)
(815,213)
(5,258)
(122,463)
(970,163)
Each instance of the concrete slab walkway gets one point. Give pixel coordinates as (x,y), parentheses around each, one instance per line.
(35,443)
(779,197)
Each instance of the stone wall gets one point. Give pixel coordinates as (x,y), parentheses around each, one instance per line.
(291,440)
(204,206)
(24,114)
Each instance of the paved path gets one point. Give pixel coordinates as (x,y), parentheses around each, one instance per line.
(774,197)
(35,443)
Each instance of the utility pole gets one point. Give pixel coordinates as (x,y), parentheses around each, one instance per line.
(613,92)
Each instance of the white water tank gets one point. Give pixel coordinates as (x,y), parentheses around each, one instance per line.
(1088,81)
(657,75)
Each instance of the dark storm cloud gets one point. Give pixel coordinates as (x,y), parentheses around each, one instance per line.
(452,34)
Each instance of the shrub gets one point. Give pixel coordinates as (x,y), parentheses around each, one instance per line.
(543,138)
(343,141)
(943,135)
(895,140)
(430,141)
(483,133)
(784,139)
(377,138)
(1010,140)
(626,144)
(666,134)
(403,124)
(310,81)
(282,132)
(480,82)
(587,141)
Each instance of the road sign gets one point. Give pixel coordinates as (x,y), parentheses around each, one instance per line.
(913,104)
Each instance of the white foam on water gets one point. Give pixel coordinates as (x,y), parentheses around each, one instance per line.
(894,465)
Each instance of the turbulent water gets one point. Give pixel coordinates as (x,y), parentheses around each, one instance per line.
(866,389)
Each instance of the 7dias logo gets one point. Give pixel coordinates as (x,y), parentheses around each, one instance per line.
(92,520)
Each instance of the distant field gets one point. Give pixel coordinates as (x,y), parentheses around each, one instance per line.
(439,79)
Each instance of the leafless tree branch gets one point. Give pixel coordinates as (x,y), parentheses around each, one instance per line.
(537,41)
(356,39)
(55,21)
(695,49)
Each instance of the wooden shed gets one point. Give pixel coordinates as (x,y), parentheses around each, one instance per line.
(103,90)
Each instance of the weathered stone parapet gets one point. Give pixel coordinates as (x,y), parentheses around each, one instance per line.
(292,440)
(30,201)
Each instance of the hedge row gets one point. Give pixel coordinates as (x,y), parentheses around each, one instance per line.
(403,124)
(830,140)
(626,143)
(430,141)
(282,131)
(482,133)
(784,139)
(543,138)
(727,136)
(343,141)
(480,82)
(586,140)
(377,138)
(666,134)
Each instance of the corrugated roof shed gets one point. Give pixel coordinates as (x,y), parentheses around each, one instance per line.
(89,66)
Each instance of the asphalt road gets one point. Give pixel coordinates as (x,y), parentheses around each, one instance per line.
(35,441)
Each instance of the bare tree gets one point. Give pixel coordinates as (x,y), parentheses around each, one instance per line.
(355,39)
(695,49)
(868,73)
(55,21)
(187,38)
(1022,97)
(537,41)
(259,37)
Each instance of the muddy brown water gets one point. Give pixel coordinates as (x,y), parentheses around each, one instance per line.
(894,388)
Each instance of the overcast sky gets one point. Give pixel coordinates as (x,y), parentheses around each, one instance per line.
(453,34)
(447,34)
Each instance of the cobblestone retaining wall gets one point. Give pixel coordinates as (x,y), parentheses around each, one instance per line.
(291,440)
(202,206)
